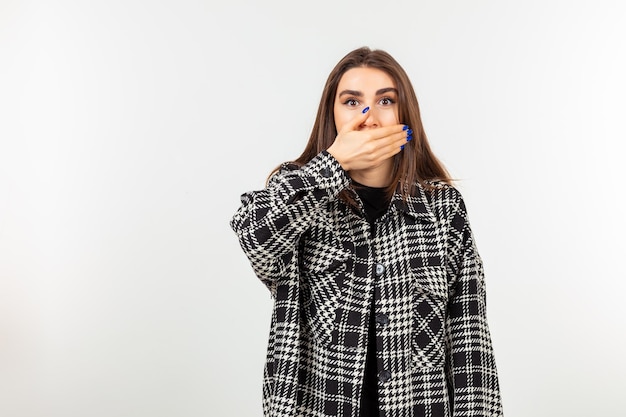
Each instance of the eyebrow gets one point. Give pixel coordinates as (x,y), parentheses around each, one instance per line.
(360,94)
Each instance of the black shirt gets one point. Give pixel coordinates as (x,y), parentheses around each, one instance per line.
(375,203)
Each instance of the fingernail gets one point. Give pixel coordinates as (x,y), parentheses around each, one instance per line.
(365,110)
(401,147)
(409,132)
(405,127)
(410,137)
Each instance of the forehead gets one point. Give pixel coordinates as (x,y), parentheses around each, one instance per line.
(365,79)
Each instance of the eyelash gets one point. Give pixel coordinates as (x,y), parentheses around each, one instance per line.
(347,102)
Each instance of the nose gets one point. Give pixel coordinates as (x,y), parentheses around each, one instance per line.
(372,119)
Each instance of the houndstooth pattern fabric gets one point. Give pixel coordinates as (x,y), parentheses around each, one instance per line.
(323,266)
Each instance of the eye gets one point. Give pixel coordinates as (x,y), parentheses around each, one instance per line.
(386,101)
(351,102)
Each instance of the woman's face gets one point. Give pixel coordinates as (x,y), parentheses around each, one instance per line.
(366,87)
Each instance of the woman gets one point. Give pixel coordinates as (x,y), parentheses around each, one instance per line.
(379,296)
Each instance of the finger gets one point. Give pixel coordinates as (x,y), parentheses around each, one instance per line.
(386,146)
(392,150)
(356,121)
(394,144)
(383,132)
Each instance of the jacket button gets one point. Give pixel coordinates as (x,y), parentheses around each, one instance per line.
(380,269)
(384,376)
(325,172)
(382,319)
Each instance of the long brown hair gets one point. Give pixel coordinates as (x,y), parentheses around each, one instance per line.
(416,163)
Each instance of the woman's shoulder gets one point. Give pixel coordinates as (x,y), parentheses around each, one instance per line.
(440,189)
(443,196)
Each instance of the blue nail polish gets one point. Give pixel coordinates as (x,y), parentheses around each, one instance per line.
(409,138)
(401,147)
(365,110)
(405,127)
(409,132)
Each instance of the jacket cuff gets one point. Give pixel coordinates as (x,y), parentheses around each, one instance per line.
(322,174)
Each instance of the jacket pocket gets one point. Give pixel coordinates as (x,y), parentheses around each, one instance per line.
(323,271)
(429,309)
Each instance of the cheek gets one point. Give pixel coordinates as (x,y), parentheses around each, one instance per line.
(340,119)
(390,118)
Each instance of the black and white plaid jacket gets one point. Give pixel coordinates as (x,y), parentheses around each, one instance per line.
(319,260)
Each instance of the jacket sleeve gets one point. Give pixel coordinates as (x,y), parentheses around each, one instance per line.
(269,222)
(471,369)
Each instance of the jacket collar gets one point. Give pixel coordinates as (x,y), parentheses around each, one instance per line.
(416,205)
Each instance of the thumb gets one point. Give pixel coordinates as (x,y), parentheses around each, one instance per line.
(356,121)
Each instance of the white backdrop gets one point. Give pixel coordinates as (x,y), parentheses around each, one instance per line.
(128,130)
